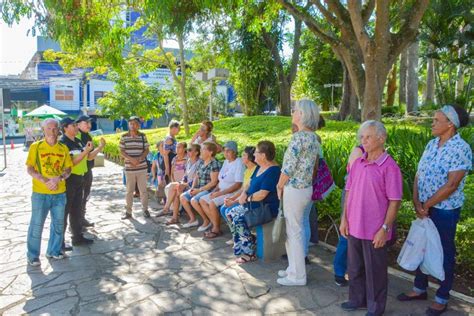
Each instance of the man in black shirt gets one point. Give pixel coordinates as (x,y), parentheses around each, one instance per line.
(84,124)
(74,184)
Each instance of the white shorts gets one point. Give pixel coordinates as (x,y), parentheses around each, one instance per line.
(218,201)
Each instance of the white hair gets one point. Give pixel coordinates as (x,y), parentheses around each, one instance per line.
(309,113)
(49,121)
(379,128)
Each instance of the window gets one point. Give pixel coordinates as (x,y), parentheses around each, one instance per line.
(64,95)
(98,95)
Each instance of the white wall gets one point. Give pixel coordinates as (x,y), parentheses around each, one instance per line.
(161,76)
(98,85)
(69,85)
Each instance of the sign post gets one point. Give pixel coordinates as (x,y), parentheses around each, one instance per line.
(4,140)
(332,86)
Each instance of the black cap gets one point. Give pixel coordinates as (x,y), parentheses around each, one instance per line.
(66,121)
(134,118)
(83,118)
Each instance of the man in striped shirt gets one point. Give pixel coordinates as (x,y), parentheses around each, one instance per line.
(134,148)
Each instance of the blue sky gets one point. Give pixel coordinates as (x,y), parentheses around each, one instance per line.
(16,48)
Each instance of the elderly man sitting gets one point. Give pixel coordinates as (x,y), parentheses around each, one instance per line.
(373,195)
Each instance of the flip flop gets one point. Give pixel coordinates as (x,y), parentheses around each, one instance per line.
(172,222)
(212,235)
(246,259)
(162,213)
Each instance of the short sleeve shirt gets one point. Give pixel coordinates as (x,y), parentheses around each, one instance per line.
(231,173)
(50,161)
(204,171)
(86,137)
(371,185)
(267,181)
(75,149)
(435,165)
(300,158)
(134,146)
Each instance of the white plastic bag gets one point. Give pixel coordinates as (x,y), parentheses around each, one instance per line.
(433,260)
(413,250)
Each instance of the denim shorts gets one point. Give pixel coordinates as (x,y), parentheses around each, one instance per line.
(197,197)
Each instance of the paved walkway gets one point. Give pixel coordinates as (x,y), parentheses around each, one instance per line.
(143,267)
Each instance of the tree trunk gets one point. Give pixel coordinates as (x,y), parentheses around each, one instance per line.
(349,102)
(182,84)
(428,98)
(372,102)
(402,91)
(285,97)
(412,78)
(392,85)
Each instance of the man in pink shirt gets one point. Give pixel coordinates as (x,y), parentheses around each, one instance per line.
(374,190)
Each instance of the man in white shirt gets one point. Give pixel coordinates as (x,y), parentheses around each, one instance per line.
(231,177)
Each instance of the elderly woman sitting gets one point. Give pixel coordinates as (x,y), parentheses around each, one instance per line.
(438,193)
(262,189)
(373,195)
(230,178)
(205,180)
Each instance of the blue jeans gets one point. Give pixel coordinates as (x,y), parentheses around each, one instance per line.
(41,204)
(224,210)
(446,222)
(340,259)
(197,197)
(310,231)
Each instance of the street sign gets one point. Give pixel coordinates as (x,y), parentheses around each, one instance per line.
(332,86)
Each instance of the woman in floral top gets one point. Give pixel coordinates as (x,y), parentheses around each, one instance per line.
(295,186)
(438,193)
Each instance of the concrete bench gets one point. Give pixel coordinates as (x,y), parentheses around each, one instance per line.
(266,249)
(99,160)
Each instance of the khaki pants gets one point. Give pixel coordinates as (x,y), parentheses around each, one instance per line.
(140,179)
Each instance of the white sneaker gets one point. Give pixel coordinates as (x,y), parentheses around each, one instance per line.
(34,262)
(58,257)
(204,228)
(286,282)
(191,224)
(282,273)
(230,242)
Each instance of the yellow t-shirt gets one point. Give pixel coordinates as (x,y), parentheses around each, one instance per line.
(248,174)
(53,160)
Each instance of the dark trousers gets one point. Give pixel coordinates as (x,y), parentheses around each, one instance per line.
(368,277)
(74,191)
(446,222)
(313,224)
(86,193)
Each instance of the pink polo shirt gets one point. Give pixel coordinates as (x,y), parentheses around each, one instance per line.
(371,186)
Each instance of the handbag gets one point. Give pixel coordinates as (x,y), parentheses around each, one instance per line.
(278,225)
(256,216)
(323,183)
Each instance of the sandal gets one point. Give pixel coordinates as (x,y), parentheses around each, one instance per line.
(246,258)
(172,221)
(212,235)
(162,213)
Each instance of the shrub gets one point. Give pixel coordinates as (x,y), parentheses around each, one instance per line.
(465,242)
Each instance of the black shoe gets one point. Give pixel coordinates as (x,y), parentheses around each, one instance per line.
(405,298)
(284,257)
(436,312)
(82,241)
(349,306)
(340,281)
(127,216)
(86,223)
(66,247)
(146,214)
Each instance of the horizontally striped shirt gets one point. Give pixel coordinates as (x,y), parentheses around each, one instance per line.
(134,146)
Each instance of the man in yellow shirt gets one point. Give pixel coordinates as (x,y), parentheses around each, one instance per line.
(49,164)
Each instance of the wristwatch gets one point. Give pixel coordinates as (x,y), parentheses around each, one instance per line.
(386,228)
